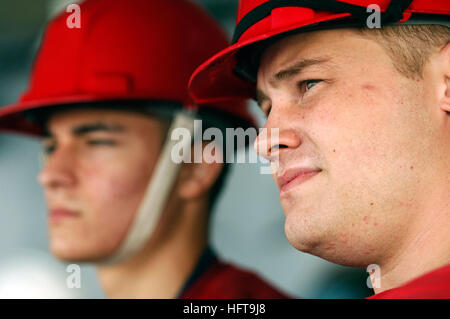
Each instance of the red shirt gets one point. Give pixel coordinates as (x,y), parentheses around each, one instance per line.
(219,280)
(433,285)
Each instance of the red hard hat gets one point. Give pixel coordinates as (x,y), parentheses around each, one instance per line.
(124,50)
(230,74)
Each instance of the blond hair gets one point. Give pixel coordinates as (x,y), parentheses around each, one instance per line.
(410,46)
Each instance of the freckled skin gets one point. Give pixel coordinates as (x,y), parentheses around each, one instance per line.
(104,184)
(374,117)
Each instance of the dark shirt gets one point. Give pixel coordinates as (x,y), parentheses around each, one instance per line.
(213,278)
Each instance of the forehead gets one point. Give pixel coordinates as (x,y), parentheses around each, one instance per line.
(340,45)
(67,120)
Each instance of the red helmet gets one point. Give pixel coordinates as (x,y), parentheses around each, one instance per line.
(124,50)
(230,74)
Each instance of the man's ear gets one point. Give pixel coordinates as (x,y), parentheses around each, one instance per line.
(196,179)
(444,97)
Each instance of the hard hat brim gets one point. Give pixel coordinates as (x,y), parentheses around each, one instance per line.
(217,80)
(13,118)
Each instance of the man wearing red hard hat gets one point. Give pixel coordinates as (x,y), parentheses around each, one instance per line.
(360,93)
(106,98)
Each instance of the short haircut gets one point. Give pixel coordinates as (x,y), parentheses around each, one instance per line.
(410,46)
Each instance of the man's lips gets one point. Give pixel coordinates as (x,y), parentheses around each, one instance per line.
(294,177)
(57,214)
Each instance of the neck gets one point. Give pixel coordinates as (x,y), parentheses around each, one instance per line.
(425,249)
(161,269)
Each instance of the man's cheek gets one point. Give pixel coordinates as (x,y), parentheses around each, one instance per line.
(114,181)
(354,170)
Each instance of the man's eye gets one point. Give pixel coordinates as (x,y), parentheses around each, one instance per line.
(95,142)
(49,149)
(308,85)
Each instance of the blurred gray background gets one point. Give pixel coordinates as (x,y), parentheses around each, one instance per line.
(250,233)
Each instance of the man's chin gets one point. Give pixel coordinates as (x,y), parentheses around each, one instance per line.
(308,238)
(299,238)
(325,248)
(71,256)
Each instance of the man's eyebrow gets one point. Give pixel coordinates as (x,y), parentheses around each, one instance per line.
(84,129)
(296,68)
(289,72)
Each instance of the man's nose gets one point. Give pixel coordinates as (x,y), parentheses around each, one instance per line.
(58,169)
(276,137)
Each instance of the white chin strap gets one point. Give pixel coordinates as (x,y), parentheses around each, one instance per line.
(160,186)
